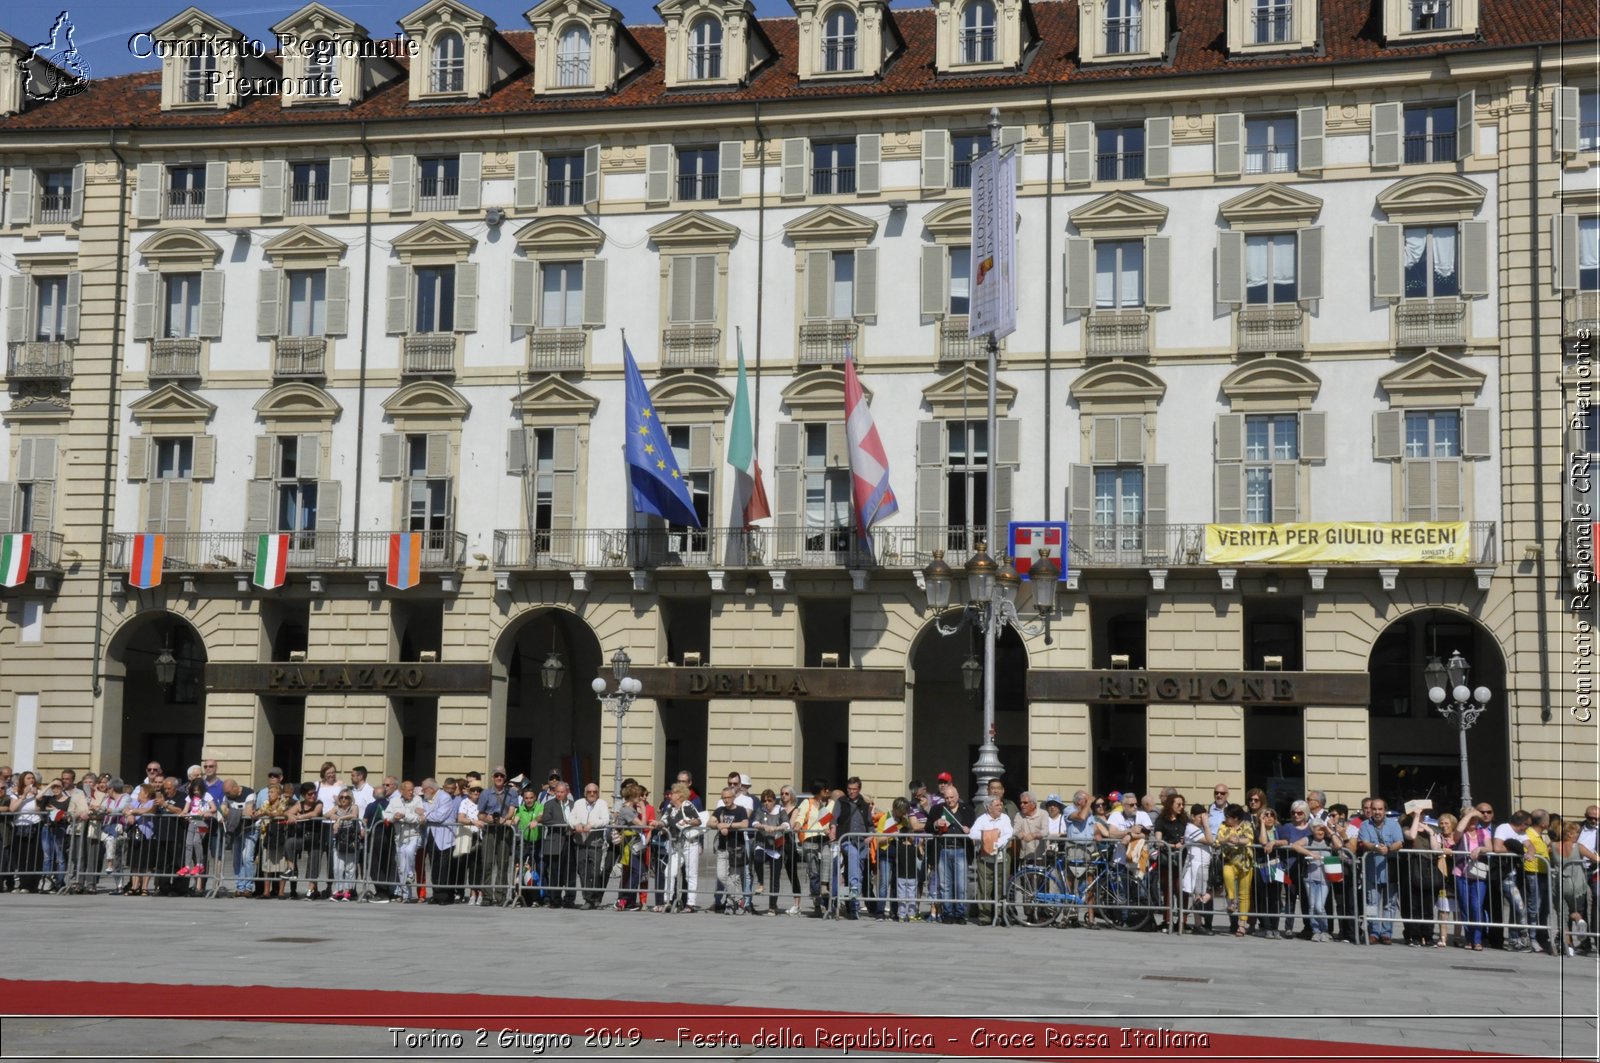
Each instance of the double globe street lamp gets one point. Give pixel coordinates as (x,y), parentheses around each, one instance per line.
(1447,682)
(618,704)
(991,604)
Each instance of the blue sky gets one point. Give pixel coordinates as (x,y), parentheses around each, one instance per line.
(104,26)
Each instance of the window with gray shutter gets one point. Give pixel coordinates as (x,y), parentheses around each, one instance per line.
(1310,126)
(796,153)
(935,292)
(470,193)
(789,488)
(529,177)
(339,185)
(869,163)
(935,160)
(1080,153)
(274,182)
(730,171)
(1385,135)
(402,184)
(1228,149)
(1158,148)
(216,193)
(931,455)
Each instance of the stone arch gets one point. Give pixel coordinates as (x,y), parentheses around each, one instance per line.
(532,729)
(945,722)
(143,719)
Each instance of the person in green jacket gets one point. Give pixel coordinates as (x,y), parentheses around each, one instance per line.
(527,827)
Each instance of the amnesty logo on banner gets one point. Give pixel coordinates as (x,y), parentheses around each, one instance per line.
(994,244)
(1347,543)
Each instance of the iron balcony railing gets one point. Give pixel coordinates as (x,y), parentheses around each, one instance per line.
(1431,322)
(299,356)
(174,359)
(430,354)
(977,46)
(55,207)
(438,193)
(826,342)
(690,345)
(1580,312)
(572,72)
(697,186)
(1270,328)
(957,344)
(185,203)
(1273,24)
(1431,147)
(1119,166)
(309,199)
(1119,333)
(1124,35)
(563,192)
(555,350)
(234,552)
(46,553)
(1263,159)
(833,181)
(39,360)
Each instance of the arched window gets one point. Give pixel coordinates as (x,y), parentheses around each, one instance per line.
(447,70)
(839,40)
(319,67)
(572,58)
(1124,26)
(977,32)
(198,71)
(705,49)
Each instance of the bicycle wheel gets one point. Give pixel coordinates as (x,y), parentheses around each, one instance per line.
(1117,895)
(1023,897)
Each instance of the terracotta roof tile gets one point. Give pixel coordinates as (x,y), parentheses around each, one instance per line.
(1351,32)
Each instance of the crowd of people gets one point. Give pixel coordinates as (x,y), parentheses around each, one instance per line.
(1525,882)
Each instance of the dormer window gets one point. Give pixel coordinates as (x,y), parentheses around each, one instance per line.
(1431,15)
(1273,22)
(705,49)
(447,64)
(198,71)
(572,58)
(839,41)
(1124,31)
(977,32)
(320,69)
(1407,19)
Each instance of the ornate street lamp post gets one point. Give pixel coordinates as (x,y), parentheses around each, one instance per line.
(617,704)
(1458,703)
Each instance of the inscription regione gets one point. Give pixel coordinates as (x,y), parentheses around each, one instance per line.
(749,684)
(1241,689)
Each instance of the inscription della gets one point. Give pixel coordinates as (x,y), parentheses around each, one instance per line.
(749,684)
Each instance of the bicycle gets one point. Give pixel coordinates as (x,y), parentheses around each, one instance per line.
(1107,893)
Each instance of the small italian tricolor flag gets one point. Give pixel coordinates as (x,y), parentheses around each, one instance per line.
(272,558)
(14,553)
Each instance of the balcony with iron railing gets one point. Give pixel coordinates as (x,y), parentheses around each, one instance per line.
(185,203)
(429,354)
(563,192)
(1430,147)
(175,359)
(1118,333)
(554,350)
(45,555)
(1269,158)
(55,207)
(690,345)
(438,194)
(39,360)
(696,186)
(1271,329)
(833,180)
(1580,315)
(308,199)
(1273,24)
(1431,322)
(1125,35)
(826,342)
(1119,166)
(977,45)
(234,552)
(957,344)
(299,357)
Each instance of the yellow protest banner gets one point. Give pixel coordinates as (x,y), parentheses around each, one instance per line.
(1343,543)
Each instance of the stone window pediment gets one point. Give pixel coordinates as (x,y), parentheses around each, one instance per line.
(432,242)
(171,404)
(965,392)
(831,227)
(818,395)
(426,404)
(1271,207)
(560,237)
(951,222)
(693,229)
(1271,384)
(305,248)
(1119,214)
(297,403)
(1432,379)
(1431,198)
(555,401)
(692,398)
(180,249)
(1118,387)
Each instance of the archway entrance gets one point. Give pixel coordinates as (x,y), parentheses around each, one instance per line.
(156,721)
(1415,750)
(946,721)
(548,727)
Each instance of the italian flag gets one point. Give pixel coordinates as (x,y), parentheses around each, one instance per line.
(272,559)
(1332,869)
(748,488)
(14,553)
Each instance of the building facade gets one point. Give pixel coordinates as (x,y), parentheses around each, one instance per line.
(1281,263)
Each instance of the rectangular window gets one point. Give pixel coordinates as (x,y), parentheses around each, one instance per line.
(699,483)
(1273,21)
(1432,14)
(308,193)
(1119,153)
(1589,253)
(960,281)
(697,173)
(1270,145)
(563,180)
(50,309)
(842,285)
(833,168)
(438,183)
(1430,262)
(427,500)
(1118,274)
(436,299)
(1118,507)
(174,458)
(561,295)
(182,318)
(22,517)
(296,498)
(827,501)
(308,302)
(198,72)
(1268,438)
(1433,434)
(1430,132)
(1269,269)
(1589,120)
(55,195)
(1124,26)
(542,484)
(186,192)
(966,481)
(963,149)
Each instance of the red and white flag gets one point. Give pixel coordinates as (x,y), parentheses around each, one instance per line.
(869,464)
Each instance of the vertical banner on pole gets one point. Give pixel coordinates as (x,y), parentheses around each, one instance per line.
(994,244)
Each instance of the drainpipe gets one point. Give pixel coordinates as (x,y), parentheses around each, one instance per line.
(1540,574)
(366,318)
(1049,262)
(761,266)
(112,450)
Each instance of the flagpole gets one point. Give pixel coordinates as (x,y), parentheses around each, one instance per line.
(988,765)
(622,452)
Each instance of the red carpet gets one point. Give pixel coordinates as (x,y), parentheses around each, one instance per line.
(436,1020)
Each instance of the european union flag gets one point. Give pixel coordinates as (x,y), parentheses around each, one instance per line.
(658,486)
